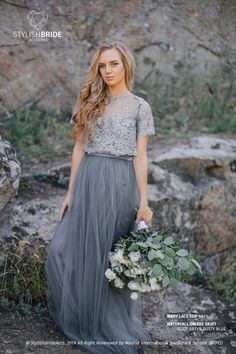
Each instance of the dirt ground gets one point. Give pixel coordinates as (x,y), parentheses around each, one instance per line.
(23,335)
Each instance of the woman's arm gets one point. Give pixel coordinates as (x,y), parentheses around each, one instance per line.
(77,156)
(140,163)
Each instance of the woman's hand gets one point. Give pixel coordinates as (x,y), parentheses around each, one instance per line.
(144,213)
(65,204)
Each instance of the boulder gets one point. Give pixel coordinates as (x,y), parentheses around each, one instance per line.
(189,320)
(10,170)
(192,186)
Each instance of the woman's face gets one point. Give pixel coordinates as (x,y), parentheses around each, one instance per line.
(111,67)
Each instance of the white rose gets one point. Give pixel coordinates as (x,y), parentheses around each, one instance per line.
(142,225)
(126,261)
(132,285)
(144,288)
(119,283)
(110,274)
(139,270)
(134,256)
(132,273)
(127,273)
(152,280)
(118,256)
(134,296)
(155,286)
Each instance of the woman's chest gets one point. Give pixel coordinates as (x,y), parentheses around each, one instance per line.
(121,120)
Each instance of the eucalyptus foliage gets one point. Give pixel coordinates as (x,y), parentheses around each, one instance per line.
(149,259)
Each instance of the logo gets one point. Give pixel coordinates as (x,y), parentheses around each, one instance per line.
(37,19)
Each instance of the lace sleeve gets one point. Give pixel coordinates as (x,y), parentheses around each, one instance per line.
(145,121)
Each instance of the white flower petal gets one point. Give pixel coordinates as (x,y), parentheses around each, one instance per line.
(134,295)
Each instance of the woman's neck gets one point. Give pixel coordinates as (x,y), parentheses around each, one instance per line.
(118,92)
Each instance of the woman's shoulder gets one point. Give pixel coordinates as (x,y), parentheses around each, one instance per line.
(141,101)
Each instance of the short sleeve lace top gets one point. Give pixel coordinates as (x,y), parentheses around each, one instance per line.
(124,118)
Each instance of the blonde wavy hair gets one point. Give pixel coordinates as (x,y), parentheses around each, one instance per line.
(90,103)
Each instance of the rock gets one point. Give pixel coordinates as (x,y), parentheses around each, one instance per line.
(10,170)
(203,318)
(192,187)
(56,175)
(173,36)
(38,221)
(199,157)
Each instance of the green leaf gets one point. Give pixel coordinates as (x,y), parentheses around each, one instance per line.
(168,240)
(183,263)
(153,245)
(174,282)
(182,252)
(144,264)
(142,244)
(153,234)
(158,245)
(176,274)
(165,281)
(151,255)
(167,260)
(191,270)
(157,238)
(170,260)
(169,267)
(133,247)
(157,269)
(170,252)
(159,254)
(196,263)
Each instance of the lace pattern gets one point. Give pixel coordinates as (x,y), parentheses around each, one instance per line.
(125,118)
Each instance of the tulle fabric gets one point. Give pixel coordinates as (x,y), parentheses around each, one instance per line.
(79,297)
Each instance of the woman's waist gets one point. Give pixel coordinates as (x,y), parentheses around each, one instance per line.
(106,154)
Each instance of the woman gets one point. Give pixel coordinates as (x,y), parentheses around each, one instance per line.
(108,180)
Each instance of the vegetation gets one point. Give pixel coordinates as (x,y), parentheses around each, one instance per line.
(36,133)
(193,103)
(23,280)
(225,283)
(150,259)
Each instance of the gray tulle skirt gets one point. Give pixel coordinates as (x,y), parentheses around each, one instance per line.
(80,299)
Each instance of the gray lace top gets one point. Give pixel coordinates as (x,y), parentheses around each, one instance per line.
(124,118)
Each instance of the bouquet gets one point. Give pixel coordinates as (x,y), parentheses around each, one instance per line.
(149,259)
